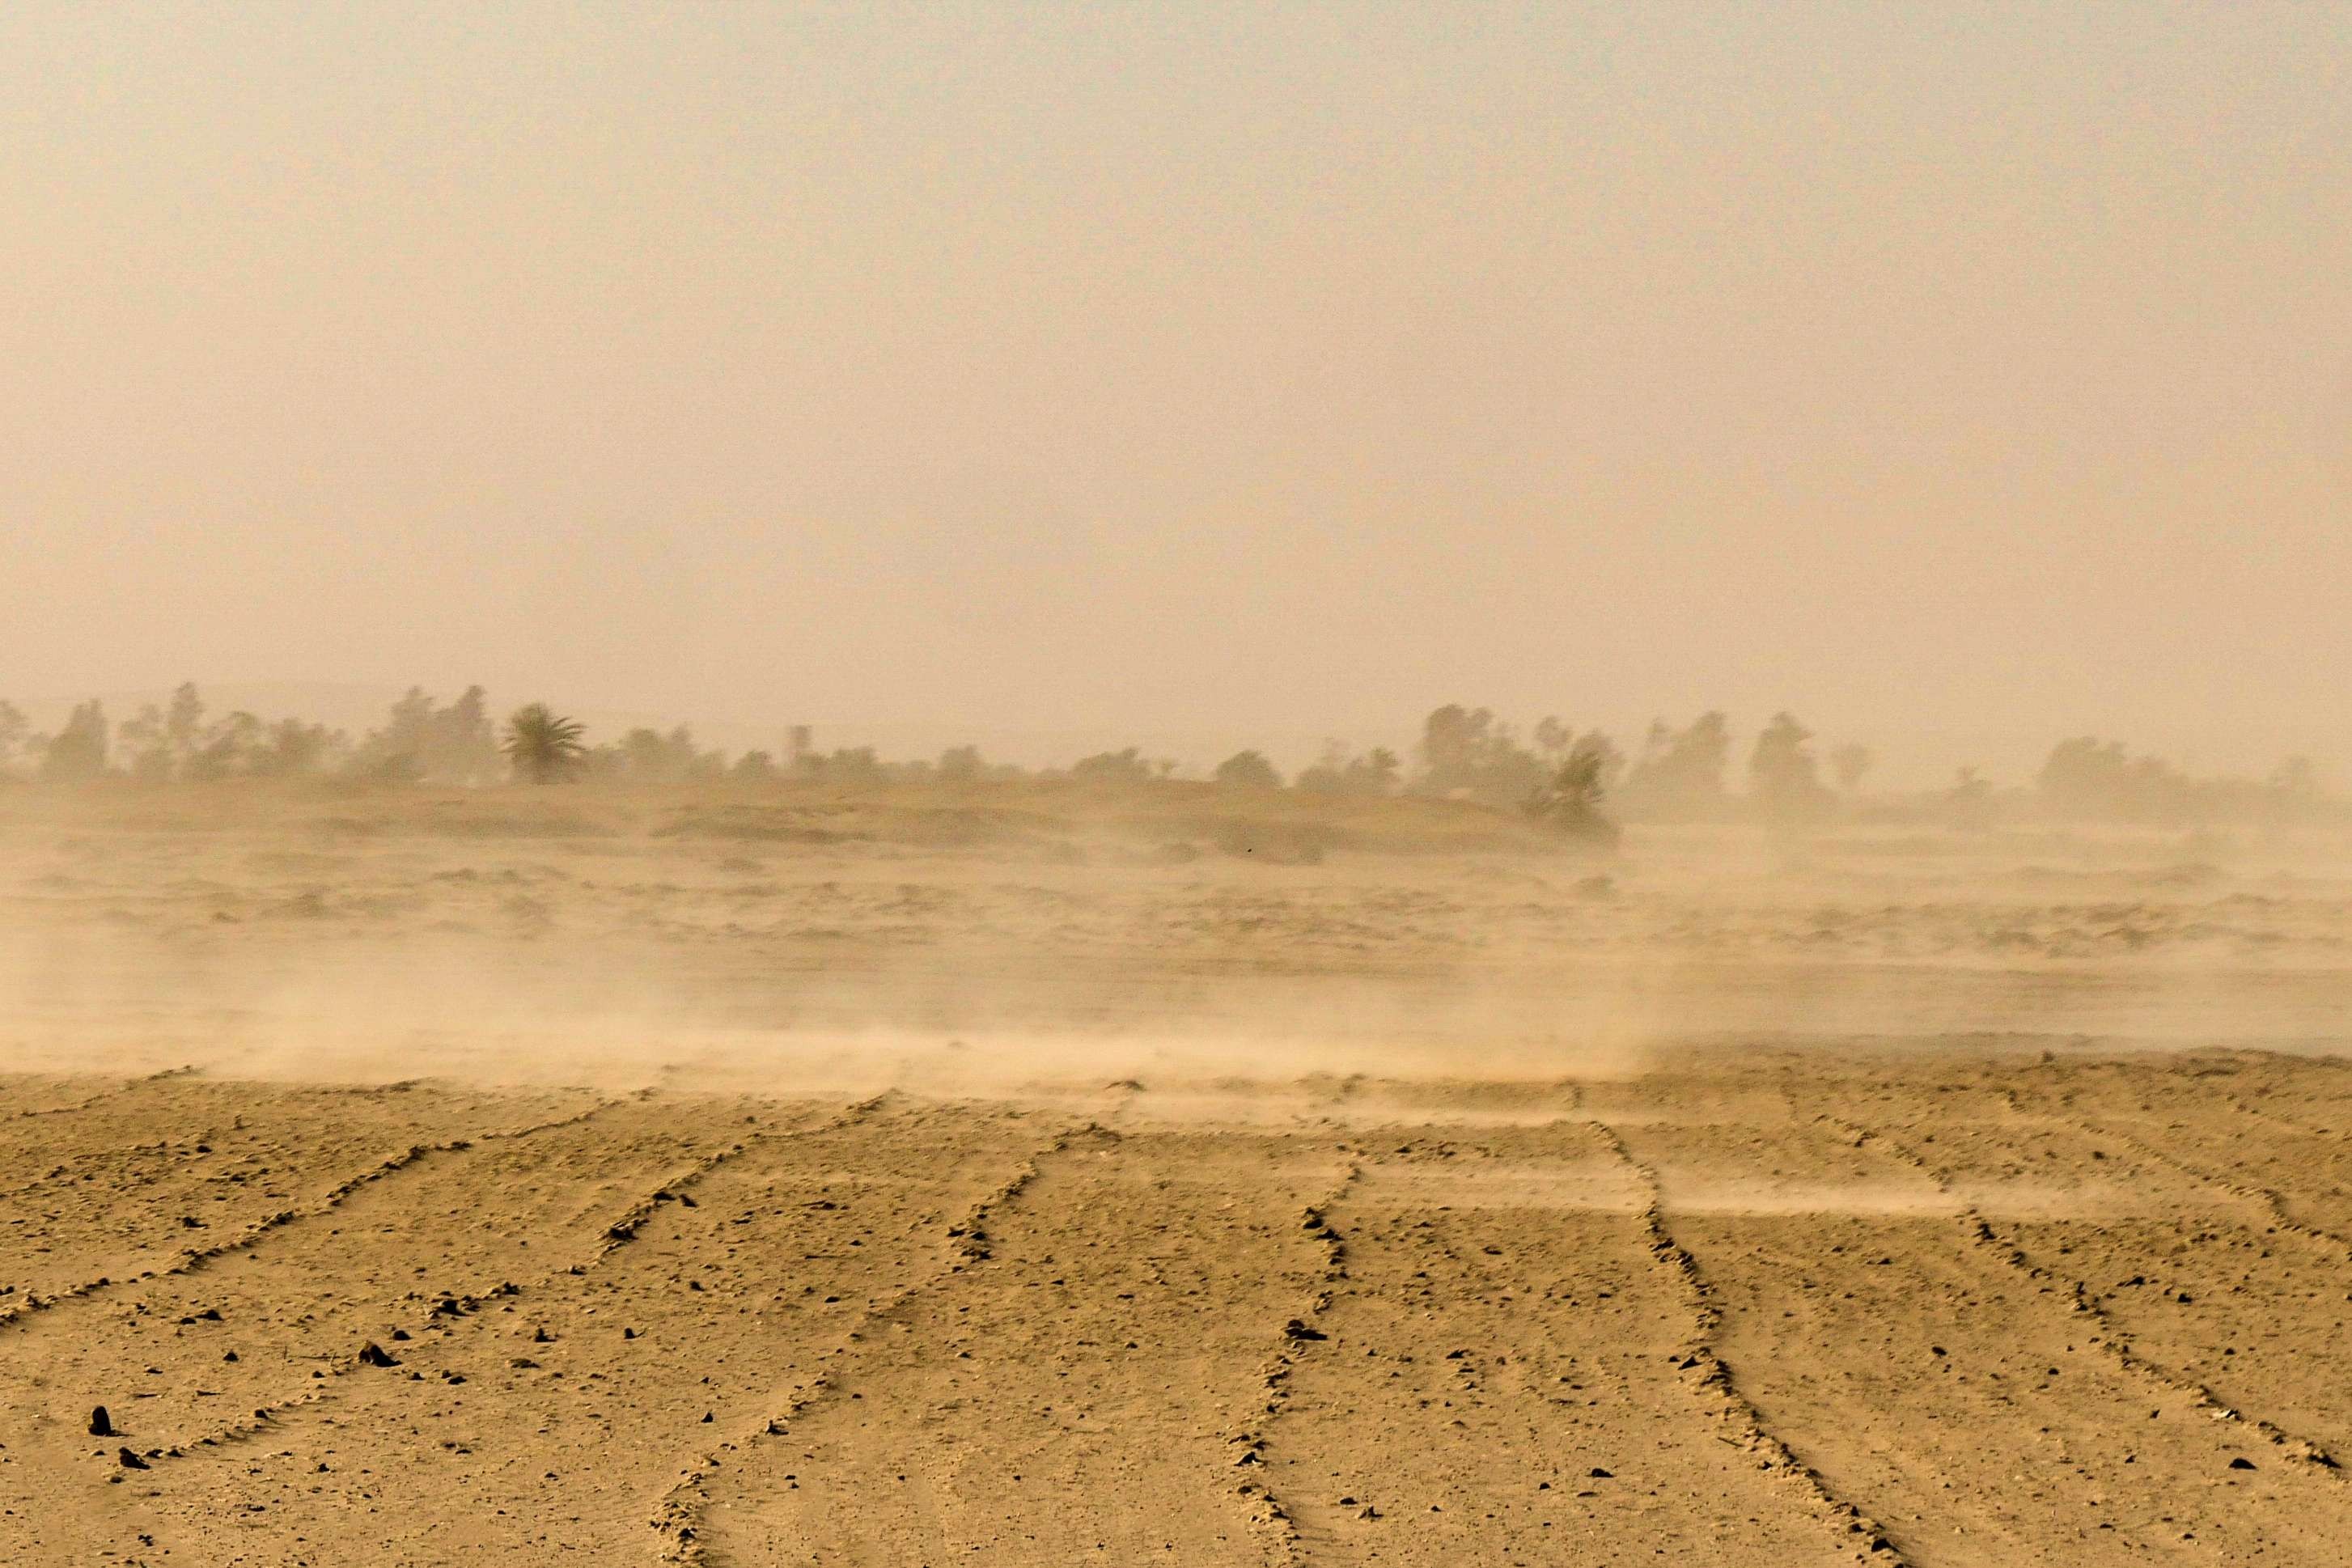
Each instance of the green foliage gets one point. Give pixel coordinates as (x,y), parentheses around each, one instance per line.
(650,756)
(14,733)
(1247,770)
(961,765)
(2088,779)
(843,765)
(1470,754)
(1375,773)
(76,753)
(540,745)
(1571,798)
(1125,767)
(455,744)
(1680,773)
(1782,781)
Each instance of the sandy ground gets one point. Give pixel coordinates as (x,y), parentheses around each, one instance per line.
(501,1182)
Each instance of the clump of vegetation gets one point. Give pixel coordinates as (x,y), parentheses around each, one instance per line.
(960,764)
(452,744)
(1782,782)
(1124,767)
(1469,754)
(1247,770)
(1374,772)
(542,746)
(2089,779)
(16,731)
(1570,800)
(1680,773)
(1557,774)
(1969,804)
(646,755)
(76,753)
(161,743)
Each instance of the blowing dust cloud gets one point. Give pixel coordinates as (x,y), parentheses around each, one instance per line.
(1154,781)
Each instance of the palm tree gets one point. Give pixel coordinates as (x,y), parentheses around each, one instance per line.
(542,746)
(1572,801)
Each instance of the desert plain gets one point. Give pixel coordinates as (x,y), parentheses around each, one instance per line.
(1047,1175)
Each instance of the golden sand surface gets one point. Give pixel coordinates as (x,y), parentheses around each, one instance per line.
(1036,1178)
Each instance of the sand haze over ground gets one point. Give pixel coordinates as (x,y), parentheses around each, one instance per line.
(1045,1173)
(781,1153)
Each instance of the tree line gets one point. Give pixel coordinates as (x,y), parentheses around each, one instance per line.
(1578,780)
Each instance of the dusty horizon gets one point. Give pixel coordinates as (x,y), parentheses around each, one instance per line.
(1960,382)
(493,1125)
(1915,762)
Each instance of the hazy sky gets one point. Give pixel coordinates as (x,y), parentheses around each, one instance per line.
(1944,371)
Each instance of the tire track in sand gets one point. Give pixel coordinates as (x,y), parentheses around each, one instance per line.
(2112,1338)
(2215,1297)
(1299,1332)
(1498,1377)
(679,1517)
(45,1496)
(546,1423)
(450,1307)
(1064,1396)
(191,1259)
(113,1091)
(86,1164)
(1955,1399)
(2269,1199)
(1841,1518)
